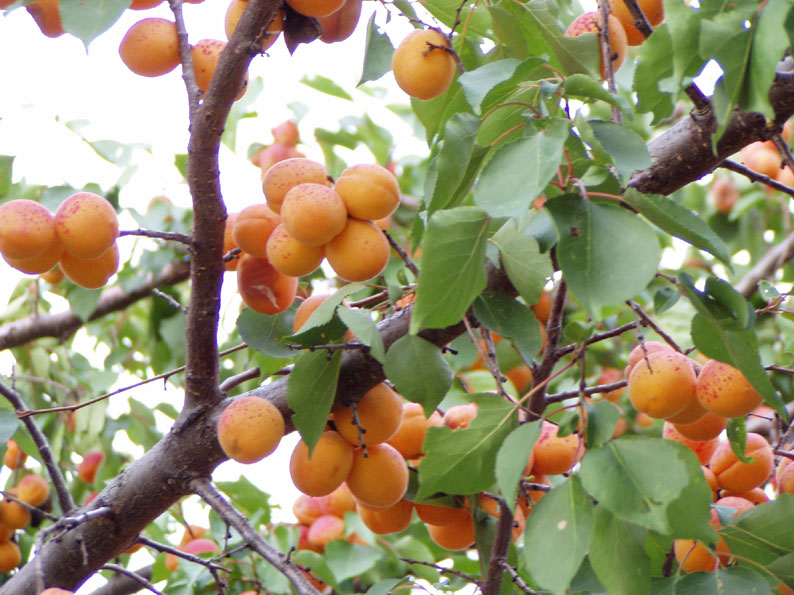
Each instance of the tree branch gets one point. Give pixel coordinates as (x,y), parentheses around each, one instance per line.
(125,585)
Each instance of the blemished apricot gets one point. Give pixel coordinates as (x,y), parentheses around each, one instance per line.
(379,415)
(694,557)
(369,191)
(411,434)
(10,557)
(87,225)
(385,521)
(228,242)
(33,490)
(27,229)
(642,350)
(588,23)
(235,11)
(47,14)
(13,515)
(87,468)
(192,532)
(313,213)
(702,449)
(91,273)
(421,65)
(14,457)
(735,476)
(663,385)
(42,263)
(707,427)
(359,252)
(329,465)
(454,536)
(249,429)
(324,530)
(316,8)
(286,133)
(652,9)
(252,228)
(281,177)
(724,194)
(53,277)
(459,416)
(340,25)
(553,454)
(338,502)
(151,47)
(722,389)
(206,53)
(291,257)
(434,514)
(379,479)
(262,287)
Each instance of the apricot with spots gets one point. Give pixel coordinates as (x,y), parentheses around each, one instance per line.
(87,225)
(313,214)
(662,385)
(250,428)
(27,229)
(722,389)
(151,47)
(281,177)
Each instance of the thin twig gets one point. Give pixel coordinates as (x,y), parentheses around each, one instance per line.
(186,57)
(158,235)
(517,580)
(615,332)
(236,380)
(402,254)
(591,390)
(754,176)
(170,299)
(605,46)
(646,321)
(443,570)
(168,549)
(133,575)
(501,543)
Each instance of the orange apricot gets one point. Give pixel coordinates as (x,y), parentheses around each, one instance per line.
(308,509)
(316,8)
(53,277)
(652,9)
(735,476)
(324,530)
(190,533)
(306,309)
(281,177)
(722,389)
(459,416)
(384,521)
(327,467)
(379,414)
(14,457)
(421,65)
(291,257)
(313,213)
(521,377)
(690,414)
(762,159)
(338,502)
(10,556)
(47,14)
(553,454)
(641,351)
(340,25)
(13,515)
(786,177)
(87,468)
(611,375)
(249,429)
(151,47)
(206,53)
(724,194)
(453,536)
(542,308)
(378,477)
(694,557)
(737,502)
(252,228)
(702,449)
(785,477)
(262,287)
(228,242)
(369,191)
(27,229)
(33,490)
(42,263)
(87,225)
(91,273)
(528,498)
(411,434)
(711,479)
(756,496)
(707,427)
(144,4)
(663,385)
(359,252)
(588,22)
(235,11)
(435,514)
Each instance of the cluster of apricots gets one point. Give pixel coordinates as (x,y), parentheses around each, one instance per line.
(308,218)
(30,492)
(80,238)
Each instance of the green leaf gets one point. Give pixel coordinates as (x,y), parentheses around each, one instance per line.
(326,85)
(462,461)
(677,220)
(87,20)
(654,67)
(478,82)
(626,148)
(526,267)
(384,587)
(617,554)
(585,87)
(602,419)
(83,302)
(324,326)
(317,565)
(511,460)
(247,497)
(518,172)
(6,168)
(557,535)
(600,266)
(310,392)
(448,11)
(664,299)
(737,437)
(347,560)
(8,424)
(770,42)
(363,327)
(723,581)
(513,320)
(453,267)
(264,333)
(418,370)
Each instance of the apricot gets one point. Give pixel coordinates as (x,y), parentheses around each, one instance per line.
(56,590)
(308,509)
(785,477)
(369,191)
(252,228)
(609,376)
(316,8)
(87,468)
(359,252)
(266,157)
(554,455)
(200,546)
(87,225)
(763,160)
(286,133)
(642,350)
(228,242)
(735,476)
(652,9)
(542,308)
(411,434)
(13,515)
(340,25)
(206,53)
(379,415)
(690,414)
(324,530)
(722,389)
(694,557)
(711,479)
(385,521)
(91,273)
(249,429)
(47,14)
(702,449)
(736,502)
(338,502)
(459,416)
(313,213)
(33,490)
(421,65)
(262,287)
(14,457)
(235,11)
(786,176)
(291,257)
(454,536)
(528,498)
(144,4)
(755,496)
(378,477)
(521,377)
(724,194)
(42,263)
(663,385)
(707,427)
(326,469)
(151,47)
(10,557)
(192,532)
(306,309)
(53,277)
(434,514)
(588,22)
(27,229)
(281,177)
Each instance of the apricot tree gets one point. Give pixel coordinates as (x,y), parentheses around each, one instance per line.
(586,220)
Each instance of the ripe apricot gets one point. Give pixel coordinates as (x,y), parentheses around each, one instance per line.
(324,530)
(53,277)
(378,477)
(762,159)
(369,191)
(10,556)
(755,496)
(786,176)
(144,4)
(379,415)
(528,498)
(707,427)
(13,515)
(421,65)
(652,9)
(313,213)
(56,590)
(206,53)
(694,557)
(411,434)
(266,157)
(663,385)
(286,133)
(542,308)
(702,449)
(91,273)
(722,389)
(521,377)
(611,375)
(554,455)
(316,8)
(42,263)
(434,514)
(87,225)
(340,25)
(47,14)
(588,22)
(711,479)
(192,532)
(14,457)
(459,416)
(228,242)
(690,414)
(87,468)
(249,429)
(235,11)
(338,502)
(291,257)
(641,351)
(724,194)
(27,229)
(281,177)
(200,546)
(384,521)
(262,287)
(785,477)
(252,227)
(308,509)
(359,252)
(306,309)
(329,465)
(33,490)
(454,536)
(735,476)
(151,47)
